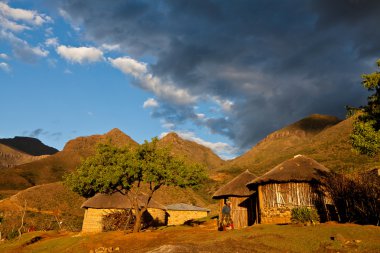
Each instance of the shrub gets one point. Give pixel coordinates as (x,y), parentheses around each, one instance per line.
(355,197)
(304,215)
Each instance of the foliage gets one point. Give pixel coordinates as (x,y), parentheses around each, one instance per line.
(304,215)
(365,137)
(126,170)
(355,197)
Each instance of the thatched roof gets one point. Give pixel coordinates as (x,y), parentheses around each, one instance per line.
(186,207)
(236,187)
(118,201)
(297,169)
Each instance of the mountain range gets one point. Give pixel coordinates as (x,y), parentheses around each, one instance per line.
(35,179)
(321,137)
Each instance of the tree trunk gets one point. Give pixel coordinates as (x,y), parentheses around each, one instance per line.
(137,226)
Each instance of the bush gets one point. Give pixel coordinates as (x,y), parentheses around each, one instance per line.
(304,215)
(355,197)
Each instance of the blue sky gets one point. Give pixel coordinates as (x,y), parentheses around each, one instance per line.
(222,73)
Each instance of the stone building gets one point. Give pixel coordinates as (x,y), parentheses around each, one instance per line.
(180,213)
(102,204)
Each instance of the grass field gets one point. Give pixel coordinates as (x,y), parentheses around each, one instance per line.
(205,238)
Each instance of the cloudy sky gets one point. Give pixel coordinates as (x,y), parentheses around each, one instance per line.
(222,73)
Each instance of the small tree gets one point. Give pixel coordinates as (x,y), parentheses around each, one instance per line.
(125,170)
(365,137)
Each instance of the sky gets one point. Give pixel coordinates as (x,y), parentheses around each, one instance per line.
(222,73)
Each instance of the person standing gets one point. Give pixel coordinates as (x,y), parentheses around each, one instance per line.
(226,216)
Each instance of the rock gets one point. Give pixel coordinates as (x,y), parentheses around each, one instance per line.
(170,249)
(101,250)
(338,237)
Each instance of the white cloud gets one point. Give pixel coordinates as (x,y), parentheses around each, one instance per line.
(5,67)
(225,104)
(12,26)
(80,54)
(67,71)
(109,47)
(167,125)
(10,16)
(165,90)
(129,66)
(22,49)
(150,102)
(53,42)
(224,150)
(4,56)
(201,116)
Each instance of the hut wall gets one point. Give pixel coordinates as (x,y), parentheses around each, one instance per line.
(177,217)
(277,200)
(158,215)
(92,221)
(242,211)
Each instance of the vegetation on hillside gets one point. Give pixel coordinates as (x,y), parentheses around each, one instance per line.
(365,137)
(329,145)
(125,170)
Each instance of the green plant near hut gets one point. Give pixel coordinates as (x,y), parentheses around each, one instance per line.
(365,137)
(304,215)
(113,169)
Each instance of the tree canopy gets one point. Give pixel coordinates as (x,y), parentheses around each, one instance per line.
(126,170)
(365,137)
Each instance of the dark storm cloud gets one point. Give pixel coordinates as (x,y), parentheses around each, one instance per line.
(278,61)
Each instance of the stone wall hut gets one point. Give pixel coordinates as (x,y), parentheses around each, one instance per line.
(179,213)
(243,200)
(102,204)
(293,183)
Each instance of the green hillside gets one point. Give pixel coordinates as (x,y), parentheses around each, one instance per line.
(323,138)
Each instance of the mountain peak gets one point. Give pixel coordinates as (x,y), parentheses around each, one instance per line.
(29,145)
(191,150)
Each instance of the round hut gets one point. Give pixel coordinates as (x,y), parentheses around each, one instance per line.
(293,183)
(243,208)
(102,204)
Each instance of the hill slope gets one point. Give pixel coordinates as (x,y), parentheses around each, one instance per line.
(191,151)
(29,145)
(10,157)
(323,138)
(52,168)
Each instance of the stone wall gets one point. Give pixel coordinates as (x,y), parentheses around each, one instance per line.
(276,215)
(92,221)
(180,217)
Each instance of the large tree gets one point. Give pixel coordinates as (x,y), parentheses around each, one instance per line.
(126,170)
(365,137)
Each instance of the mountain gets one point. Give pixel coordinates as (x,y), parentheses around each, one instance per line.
(29,145)
(191,151)
(321,137)
(10,157)
(52,168)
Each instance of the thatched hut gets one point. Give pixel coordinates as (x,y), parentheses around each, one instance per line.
(243,200)
(180,213)
(293,183)
(102,204)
